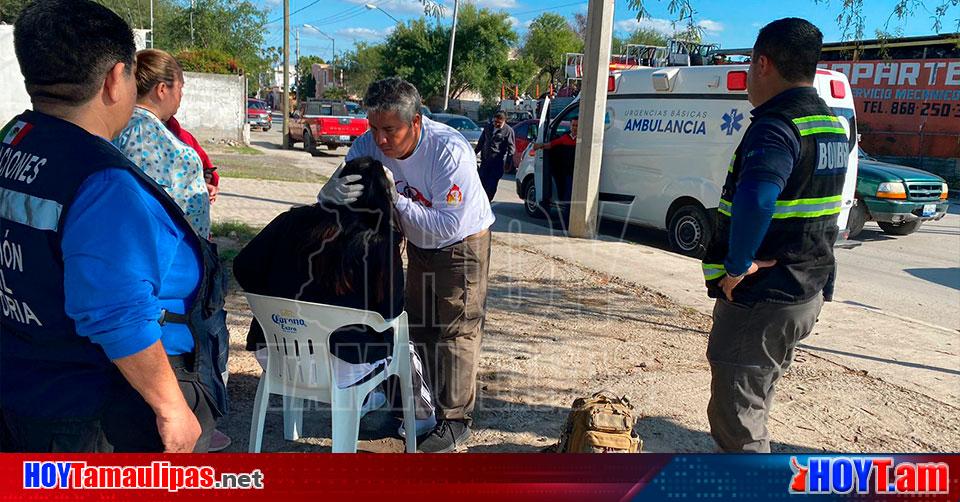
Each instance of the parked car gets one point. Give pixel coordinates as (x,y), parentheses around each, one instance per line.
(324,123)
(898,198)
(524,133)
(355,109)
(468,128)
(514,118)
(258,115)
(426,111)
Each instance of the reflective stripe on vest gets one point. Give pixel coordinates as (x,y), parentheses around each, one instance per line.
(819,124)
(29,210)
(713,271)
(798,208)
(808,208)
(725,207)
(732,160)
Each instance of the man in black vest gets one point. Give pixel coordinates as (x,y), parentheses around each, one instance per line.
(777,221)
(112,335)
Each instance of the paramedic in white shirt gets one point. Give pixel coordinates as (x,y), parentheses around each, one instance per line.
(446,219)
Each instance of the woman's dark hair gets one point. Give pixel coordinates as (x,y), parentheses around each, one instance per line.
(361,242)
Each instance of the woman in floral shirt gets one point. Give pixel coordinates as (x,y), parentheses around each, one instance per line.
(147,142)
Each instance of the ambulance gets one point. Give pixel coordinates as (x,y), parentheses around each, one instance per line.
(670,134)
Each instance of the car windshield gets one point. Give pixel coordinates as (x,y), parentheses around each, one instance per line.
(256,104)
(863,155)
(460,123)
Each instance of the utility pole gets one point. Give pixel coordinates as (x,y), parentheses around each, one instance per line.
(593,106)
(151,24)
(286,74)
(297,66)
(453,37)
(191,24)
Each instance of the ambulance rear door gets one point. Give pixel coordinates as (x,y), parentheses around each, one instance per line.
(834,89)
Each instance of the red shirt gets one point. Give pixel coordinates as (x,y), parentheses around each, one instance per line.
(192,142)
(565,140)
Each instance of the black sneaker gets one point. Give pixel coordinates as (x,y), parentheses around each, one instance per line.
(447,436)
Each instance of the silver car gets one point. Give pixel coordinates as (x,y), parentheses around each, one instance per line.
(468,128)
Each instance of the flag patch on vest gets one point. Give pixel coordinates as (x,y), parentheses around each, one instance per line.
(16,133)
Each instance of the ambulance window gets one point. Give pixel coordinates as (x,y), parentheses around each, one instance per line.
(564,126)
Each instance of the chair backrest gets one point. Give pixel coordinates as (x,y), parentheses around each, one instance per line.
(298,334)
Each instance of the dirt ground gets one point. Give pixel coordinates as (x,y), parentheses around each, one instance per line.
(556,331)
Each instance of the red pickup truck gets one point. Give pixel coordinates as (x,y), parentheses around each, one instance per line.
(324,123)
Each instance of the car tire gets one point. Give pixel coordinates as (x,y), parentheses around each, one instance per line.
(333,148)
(858,216)
(308,144)
(530,204)
(690,230)
(901,229)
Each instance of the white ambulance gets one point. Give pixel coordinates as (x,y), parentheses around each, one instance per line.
(670,136)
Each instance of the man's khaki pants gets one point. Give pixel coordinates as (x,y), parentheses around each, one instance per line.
(446,300)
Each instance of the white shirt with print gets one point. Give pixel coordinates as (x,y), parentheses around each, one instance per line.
(441,199)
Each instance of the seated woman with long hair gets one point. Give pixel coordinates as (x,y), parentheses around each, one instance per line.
(345,255)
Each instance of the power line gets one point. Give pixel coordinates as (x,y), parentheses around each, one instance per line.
(552,7)
(311,4)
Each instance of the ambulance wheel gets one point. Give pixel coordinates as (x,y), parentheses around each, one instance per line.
(901,229)
(690,231)
(858,216)
(530,204)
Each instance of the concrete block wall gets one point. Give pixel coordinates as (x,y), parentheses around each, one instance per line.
(13,94)
(214,106)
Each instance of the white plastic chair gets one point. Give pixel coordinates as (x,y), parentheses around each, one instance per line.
(300,366)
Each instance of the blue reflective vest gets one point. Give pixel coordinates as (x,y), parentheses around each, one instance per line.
(47,370)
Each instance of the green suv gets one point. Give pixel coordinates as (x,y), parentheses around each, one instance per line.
(898,198)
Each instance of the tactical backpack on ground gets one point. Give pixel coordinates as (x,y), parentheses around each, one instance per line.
(599,424)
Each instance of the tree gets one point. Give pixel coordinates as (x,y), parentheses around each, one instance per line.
(207,61)
(9,9)
(481,53)
(643,36)
(234,27)
(851,19)
(306,83)
(550,36)
(336,93)
(361,67)
(418,52)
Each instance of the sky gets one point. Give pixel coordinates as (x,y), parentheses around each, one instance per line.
(731,23)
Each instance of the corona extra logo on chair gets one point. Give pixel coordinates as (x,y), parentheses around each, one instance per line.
(287,322)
